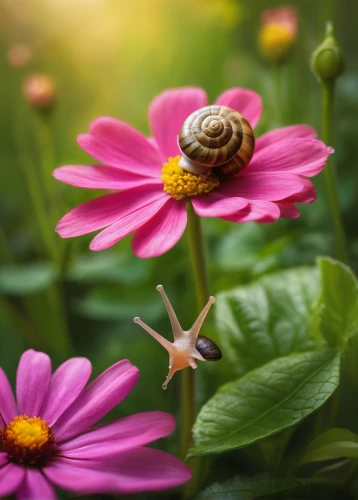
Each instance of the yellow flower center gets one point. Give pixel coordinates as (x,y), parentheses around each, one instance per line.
(275,41)
(181,184)
(28,441)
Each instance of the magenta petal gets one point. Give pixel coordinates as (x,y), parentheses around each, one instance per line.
(245,101)
(11,477)
(307,195)
(162,231)
(35,487)
(128,223)
(66,384)
(133,471)
(4,459)
(101,177)
(7,400)
(32,382)
(263,186)
(260,211)
(299,156)
(216,205)
(288,210)
(121,435)
(67,474)
(100,212)
(118,145)
(167,113)
(101,396)
(279,134)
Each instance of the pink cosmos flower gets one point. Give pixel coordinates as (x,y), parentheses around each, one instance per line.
(47,436)
(266,189)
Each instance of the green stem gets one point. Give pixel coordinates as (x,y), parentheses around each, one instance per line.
(330,177)
(198,260)
(277,84)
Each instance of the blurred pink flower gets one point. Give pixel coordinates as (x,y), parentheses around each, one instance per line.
(267,188)
(47,436)
(286,17)
(19,55)
(39,91)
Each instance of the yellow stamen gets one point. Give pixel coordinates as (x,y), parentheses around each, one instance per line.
(28,440)
(181,184)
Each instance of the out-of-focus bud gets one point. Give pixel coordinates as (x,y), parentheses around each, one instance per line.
(277,34)
(19,56)
(328,59)
(39,91)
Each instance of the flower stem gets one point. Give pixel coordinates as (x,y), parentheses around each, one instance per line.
(197,253)
(278,101)
(329,173)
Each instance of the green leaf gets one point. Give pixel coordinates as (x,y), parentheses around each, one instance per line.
(26,279)
(267,319)
(332,444)
(241,488)
(265,401)
(338,304)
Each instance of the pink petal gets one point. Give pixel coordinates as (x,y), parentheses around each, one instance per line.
(101,396)
(7,401)
(11,477)
(100,177)
(124,434)
(162,231)
(215,204)
(127,224)
(245,101)
(280,134)
(288,210)
(260,211)
(66,385)
(118,145)
(167,113)
(4,459)
(262,186)
(32,382)
(133,471)
(100,212)
(299,156)
(308,195)
(69,475)
(35,487)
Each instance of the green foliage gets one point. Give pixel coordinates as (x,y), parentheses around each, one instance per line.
(26,279)
(265,401)
(268,318)
(338,303)
(243,488)
(335,443)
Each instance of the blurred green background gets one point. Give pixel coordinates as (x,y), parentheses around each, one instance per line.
(111,57)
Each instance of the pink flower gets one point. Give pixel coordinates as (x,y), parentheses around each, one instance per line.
(48,439)
(267,188)
(286,17)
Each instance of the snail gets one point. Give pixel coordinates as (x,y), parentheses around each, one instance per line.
(188,346)
(216,137)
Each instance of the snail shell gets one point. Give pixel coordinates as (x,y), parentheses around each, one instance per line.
(208,349)
(216,136)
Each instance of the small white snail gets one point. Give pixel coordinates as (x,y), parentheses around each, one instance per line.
(188,346)
(216,137)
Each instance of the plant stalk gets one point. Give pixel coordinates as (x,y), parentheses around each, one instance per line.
(329,173)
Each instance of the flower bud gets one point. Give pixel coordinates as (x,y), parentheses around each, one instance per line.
(328,59)
(19,56)
(39,91)
(277,33)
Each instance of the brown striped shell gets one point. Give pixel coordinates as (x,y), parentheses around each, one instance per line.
(217,136)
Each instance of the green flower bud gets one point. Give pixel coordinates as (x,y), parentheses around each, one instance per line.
(328,59)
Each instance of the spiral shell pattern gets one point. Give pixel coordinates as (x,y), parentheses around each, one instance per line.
(217,136)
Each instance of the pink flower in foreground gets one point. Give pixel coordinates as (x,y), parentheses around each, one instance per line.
(47,438)
(266,189)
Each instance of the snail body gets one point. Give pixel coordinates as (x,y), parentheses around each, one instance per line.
(216,137)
